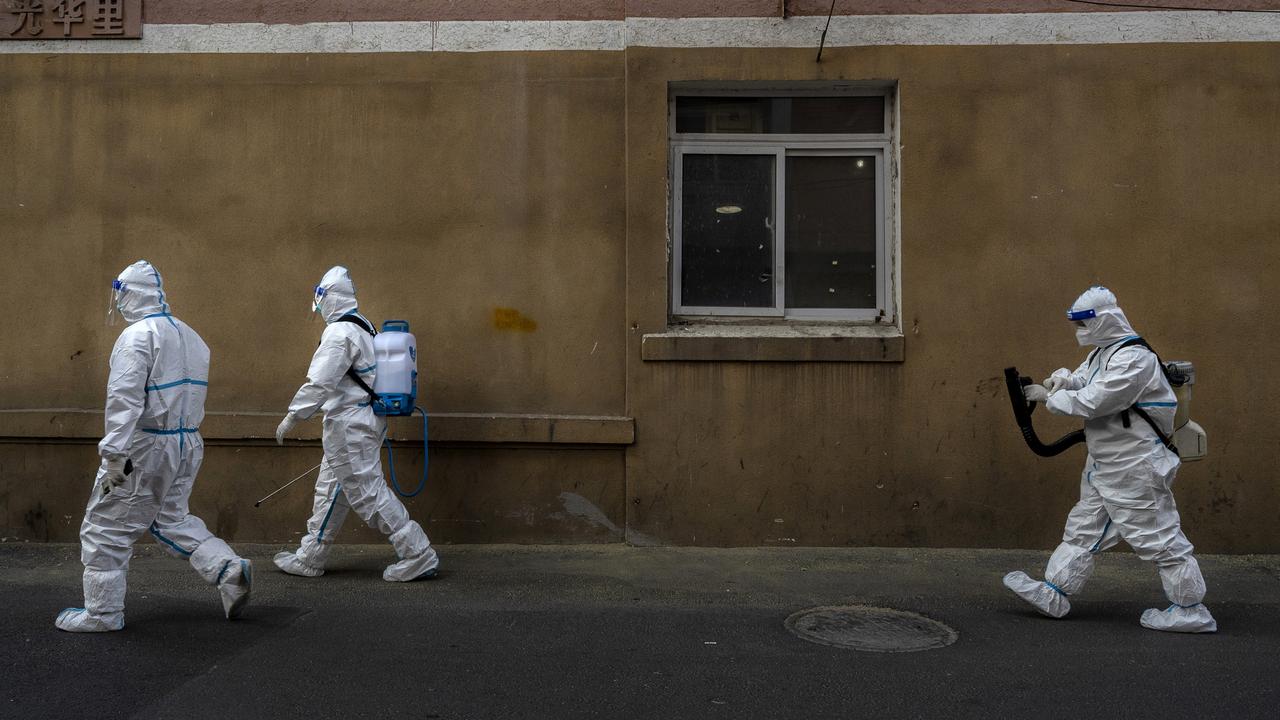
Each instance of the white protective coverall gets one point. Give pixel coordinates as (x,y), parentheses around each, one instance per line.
(155,402)
(351,472)
(1126,486)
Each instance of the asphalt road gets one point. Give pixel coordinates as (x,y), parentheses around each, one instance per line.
(622,632)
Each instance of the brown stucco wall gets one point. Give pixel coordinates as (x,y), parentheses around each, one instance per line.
(1027,174)
(473,199)
(513,207)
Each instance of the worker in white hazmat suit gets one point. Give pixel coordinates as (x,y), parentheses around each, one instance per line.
(1126,487)
(151,452)
(351,472)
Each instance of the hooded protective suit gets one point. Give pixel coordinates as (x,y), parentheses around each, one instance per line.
(155,402)
(1126,487)
(351,472)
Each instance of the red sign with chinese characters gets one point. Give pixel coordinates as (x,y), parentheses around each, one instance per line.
(70,19)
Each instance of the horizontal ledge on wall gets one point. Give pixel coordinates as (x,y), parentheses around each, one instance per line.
(517,428)
(500,428)
(767,343)
(614,35)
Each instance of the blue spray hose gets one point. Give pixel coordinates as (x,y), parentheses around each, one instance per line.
(391,460)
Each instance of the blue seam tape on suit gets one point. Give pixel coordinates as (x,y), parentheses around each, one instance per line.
(176,383)
(167,541)
(1102,537)
(324,523)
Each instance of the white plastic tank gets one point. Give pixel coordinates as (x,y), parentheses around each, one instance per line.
(397,353)
(1183,392)
(1188,436)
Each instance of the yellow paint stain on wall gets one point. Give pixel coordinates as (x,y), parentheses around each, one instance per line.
(511,319)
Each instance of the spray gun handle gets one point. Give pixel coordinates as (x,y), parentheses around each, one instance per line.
(1023,382)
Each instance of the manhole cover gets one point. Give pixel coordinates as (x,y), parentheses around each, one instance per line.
(874,629)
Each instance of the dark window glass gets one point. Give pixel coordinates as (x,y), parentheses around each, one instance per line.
(727,231)
(831,232)
(846,114)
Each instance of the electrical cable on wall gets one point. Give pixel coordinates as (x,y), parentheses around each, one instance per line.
(822,42)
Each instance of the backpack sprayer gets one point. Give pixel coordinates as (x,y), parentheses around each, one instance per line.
(395,387)
(394,391)
(1188,440)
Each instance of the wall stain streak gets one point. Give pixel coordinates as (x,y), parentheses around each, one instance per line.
(512,319)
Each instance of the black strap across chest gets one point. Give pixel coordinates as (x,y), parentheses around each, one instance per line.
(351,371)
(359,322)
(1175,380)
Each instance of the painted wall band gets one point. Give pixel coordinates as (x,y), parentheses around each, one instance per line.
(297,13)
(1001,29)
(616,35)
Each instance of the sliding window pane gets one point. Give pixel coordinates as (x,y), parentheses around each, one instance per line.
(831,232)
(727,231)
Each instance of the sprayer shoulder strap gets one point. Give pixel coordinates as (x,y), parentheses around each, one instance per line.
(351,371)
(1165,439)
(1139,342)
(358,322)
(1124,414)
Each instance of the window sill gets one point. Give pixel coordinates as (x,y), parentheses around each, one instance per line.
(774,343)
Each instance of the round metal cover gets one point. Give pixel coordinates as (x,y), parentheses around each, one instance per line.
(873,629)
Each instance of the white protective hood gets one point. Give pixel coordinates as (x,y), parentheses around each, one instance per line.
(1109,323)
(140,293)
(336,294)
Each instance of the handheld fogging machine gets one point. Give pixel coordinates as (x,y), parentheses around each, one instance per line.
(1188,439)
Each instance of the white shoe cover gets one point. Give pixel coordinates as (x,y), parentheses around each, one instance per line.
(80,620)
(422,567)
(1194,619)
(290,563)
(235,586)
(1048,601)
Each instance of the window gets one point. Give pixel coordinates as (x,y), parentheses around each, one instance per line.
(781,201)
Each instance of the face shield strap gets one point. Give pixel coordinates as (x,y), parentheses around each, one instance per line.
(1078,315)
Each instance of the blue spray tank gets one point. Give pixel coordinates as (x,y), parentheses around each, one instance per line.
(395,388)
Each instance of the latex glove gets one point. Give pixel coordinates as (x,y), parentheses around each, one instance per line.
(285,426)
(1035,393)
(115,475)
(1054,383)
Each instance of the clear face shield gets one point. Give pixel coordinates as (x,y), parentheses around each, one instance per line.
(1078,317)
(118,290)
(316,311)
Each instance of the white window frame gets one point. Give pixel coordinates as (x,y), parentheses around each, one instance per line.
(779,194)
(782,146)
